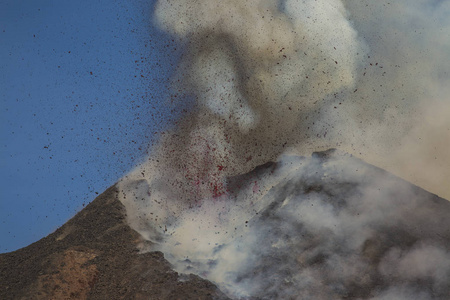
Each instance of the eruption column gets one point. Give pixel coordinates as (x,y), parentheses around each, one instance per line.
(269,77)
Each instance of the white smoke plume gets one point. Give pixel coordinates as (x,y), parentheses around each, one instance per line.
(272,77)
(256,69)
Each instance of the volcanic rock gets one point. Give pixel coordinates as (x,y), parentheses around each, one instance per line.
(95,256)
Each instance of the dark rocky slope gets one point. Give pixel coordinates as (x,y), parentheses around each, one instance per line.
(94,256)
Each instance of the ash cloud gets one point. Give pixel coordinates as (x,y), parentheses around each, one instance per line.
(291,77)
(256,70)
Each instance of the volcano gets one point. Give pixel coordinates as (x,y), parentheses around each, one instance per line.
(329,226)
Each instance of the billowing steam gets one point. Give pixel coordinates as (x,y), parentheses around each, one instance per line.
(278,77)
(318,229)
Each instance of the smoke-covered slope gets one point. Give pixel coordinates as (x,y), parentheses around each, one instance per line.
(325,227)
(95,256)
(338,228)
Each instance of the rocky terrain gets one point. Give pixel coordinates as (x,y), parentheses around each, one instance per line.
(325,227)
(95,256)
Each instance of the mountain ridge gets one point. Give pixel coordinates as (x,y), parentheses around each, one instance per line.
(96,254)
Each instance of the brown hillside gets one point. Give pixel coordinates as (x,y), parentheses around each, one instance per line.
(95,256)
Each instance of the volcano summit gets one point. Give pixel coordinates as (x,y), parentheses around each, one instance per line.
(323,227)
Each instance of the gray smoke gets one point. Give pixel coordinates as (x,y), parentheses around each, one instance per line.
(291,77)
(325,227)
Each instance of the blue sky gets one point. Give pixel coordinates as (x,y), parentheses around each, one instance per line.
(83,89)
